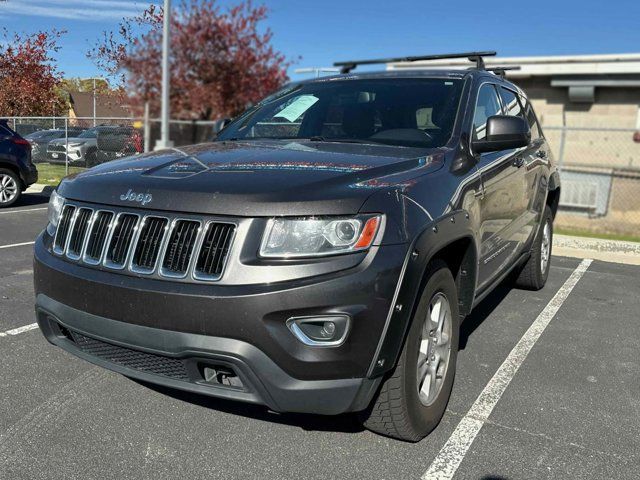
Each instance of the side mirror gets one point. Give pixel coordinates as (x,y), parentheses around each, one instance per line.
(504,132)
(219,124)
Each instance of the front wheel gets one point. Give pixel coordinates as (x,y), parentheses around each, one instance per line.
(534,273)
(412,400)
(10,190)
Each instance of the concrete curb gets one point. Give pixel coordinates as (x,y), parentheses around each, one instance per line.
(615,251)
(40,189)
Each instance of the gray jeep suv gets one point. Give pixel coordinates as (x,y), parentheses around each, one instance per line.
(319,256)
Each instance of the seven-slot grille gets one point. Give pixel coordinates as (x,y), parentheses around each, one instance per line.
(144,244)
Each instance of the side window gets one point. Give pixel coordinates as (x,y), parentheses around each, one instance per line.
(511,102)
(531,118)
(486,106)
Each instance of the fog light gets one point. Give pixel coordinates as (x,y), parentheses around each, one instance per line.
(320,331)
(328,329)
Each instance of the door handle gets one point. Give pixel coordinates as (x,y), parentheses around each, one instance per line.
(541,154)
(518,162)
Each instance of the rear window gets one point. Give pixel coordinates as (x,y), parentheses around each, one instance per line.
(91,133)
(5,131)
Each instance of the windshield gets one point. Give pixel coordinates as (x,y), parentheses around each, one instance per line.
(91,133)
(402,112)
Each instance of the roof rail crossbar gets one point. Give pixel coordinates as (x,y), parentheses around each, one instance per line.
(347,66)
(501,71)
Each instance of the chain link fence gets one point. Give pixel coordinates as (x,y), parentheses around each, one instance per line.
(600,167)
(85,142)
(600,173)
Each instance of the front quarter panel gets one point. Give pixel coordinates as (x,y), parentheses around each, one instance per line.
(431,212)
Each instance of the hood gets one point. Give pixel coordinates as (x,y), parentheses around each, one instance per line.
(252,178)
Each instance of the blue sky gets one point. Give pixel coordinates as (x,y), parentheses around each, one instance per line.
(328,30)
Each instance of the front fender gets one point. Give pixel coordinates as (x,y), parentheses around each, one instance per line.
(433,238)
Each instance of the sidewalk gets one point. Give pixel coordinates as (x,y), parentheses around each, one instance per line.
(39,189)
(597,248)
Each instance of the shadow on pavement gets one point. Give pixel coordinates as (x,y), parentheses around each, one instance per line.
(31,199)
(483,310)
(346,423)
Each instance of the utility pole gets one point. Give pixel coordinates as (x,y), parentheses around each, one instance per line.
(164,141)
(94,101)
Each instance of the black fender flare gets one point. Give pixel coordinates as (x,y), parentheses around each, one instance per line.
(435,236)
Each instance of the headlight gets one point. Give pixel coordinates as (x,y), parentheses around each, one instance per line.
(55,208)
(310,237)
(76,144)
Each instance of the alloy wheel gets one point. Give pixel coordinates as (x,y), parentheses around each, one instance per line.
(545,247)
(435,349)
(8,188)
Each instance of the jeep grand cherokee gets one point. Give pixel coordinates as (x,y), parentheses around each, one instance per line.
(319,256)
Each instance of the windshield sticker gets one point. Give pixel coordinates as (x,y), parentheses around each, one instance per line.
(300,105)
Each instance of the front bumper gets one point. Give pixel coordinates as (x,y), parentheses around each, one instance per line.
(190,326)
(176,360)
(29,175)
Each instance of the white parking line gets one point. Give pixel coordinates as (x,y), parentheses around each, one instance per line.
(6,212)
(448,460)
(19,330)
(16,245)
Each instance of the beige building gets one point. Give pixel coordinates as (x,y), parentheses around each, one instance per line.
(589,107)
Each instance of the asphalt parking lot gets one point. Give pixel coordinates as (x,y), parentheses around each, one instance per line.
(564,404)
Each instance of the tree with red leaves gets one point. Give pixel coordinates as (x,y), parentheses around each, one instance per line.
(220,62)
(29,79)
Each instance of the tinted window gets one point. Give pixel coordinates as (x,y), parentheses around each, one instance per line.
(402,112)
(511,103)
(6,131)
(487,105)
(91,133)
(531,119)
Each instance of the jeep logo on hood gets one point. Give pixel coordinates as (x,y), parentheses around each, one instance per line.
(141,198)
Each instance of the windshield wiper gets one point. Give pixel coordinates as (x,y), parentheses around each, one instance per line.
(319,138)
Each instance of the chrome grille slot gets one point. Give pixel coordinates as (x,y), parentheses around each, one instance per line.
(162,246)
(179,249)
(97,237)
(214,251)
(147,248)
(60,240)
(79,232)
(121,239)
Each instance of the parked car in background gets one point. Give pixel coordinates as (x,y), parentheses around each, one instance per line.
(17,171)
(96,145)
(40,140)
(24,129)
(79,150)
(119,142)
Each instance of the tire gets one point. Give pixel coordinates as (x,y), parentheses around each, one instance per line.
(535,272)
(10,188)
(400,410)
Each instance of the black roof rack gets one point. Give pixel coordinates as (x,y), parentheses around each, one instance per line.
(476,57)
(501,71)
